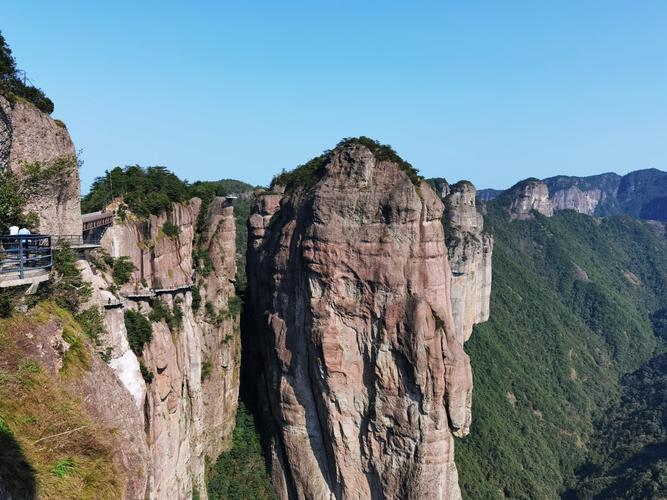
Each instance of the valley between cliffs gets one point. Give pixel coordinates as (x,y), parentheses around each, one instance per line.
(354,331)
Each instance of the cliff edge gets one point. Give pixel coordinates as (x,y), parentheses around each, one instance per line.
(365,380)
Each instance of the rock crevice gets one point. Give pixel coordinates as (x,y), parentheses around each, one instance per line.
(365,379)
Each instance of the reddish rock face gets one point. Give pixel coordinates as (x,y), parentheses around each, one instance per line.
(188,415)
(365,376)
(470,251)
(29,137)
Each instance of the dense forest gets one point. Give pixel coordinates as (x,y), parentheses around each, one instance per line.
(573,309)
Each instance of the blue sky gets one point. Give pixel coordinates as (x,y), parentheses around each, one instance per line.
(492,92)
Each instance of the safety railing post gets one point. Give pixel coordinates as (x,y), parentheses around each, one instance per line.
(20,258)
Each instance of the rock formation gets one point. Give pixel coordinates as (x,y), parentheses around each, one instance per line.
(573,198)
(40,152)
(529,195)
(188,410)
(593,195)
(470,250)
(365,379)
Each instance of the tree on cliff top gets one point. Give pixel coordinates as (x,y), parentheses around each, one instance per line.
(14,84)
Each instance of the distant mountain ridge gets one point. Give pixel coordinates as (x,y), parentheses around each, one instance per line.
(642,194)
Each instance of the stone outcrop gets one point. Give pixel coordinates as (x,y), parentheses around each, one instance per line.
(592,195)
(470,250)
(365,380)
(188,409)
(573,198)
(529,195)
(40,152)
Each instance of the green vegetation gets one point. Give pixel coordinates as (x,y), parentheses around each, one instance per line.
(77,358)
(151,190)
(63,467)
(307,175)
(304,176)
(206,191)
(12,204)
(67,288)
(567,321)
(92,324)
(144,190)
(234,306)
(139,331)
(241,472)
(196,298)
(170,230)
(146,373)
(49,446)
(160,311)
(37,176)
(206,370)
(628,456)
(121,270)
(384,152)
(14,85)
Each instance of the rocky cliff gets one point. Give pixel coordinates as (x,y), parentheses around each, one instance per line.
(470,250)
(529,195)
(186,412)
(40,152)
(365,380)
(640,194)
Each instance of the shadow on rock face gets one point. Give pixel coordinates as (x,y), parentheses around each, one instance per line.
(17,477)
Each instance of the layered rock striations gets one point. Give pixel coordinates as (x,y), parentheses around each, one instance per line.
(470,251)
(365,380)
(529,195)
(188,409)
(40,152)
(594,195)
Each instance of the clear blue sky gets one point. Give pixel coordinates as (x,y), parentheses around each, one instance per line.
(489,91)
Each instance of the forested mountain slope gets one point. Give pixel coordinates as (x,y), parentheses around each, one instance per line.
(571,308)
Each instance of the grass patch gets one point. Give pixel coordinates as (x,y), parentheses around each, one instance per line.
(36,407)
(63,467)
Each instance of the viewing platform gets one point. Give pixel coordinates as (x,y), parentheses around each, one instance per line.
(25,260)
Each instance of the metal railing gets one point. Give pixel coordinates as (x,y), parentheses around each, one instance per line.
(23,254)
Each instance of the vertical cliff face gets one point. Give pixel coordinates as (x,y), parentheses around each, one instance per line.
(573,198)
(365,378)
(529,195)
(187,411)
(470,250)
(40,152)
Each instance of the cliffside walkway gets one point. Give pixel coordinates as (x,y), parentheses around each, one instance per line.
(153,292)
(94,220)
(25,260)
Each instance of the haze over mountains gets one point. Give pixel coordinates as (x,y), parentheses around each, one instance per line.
(641,193)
